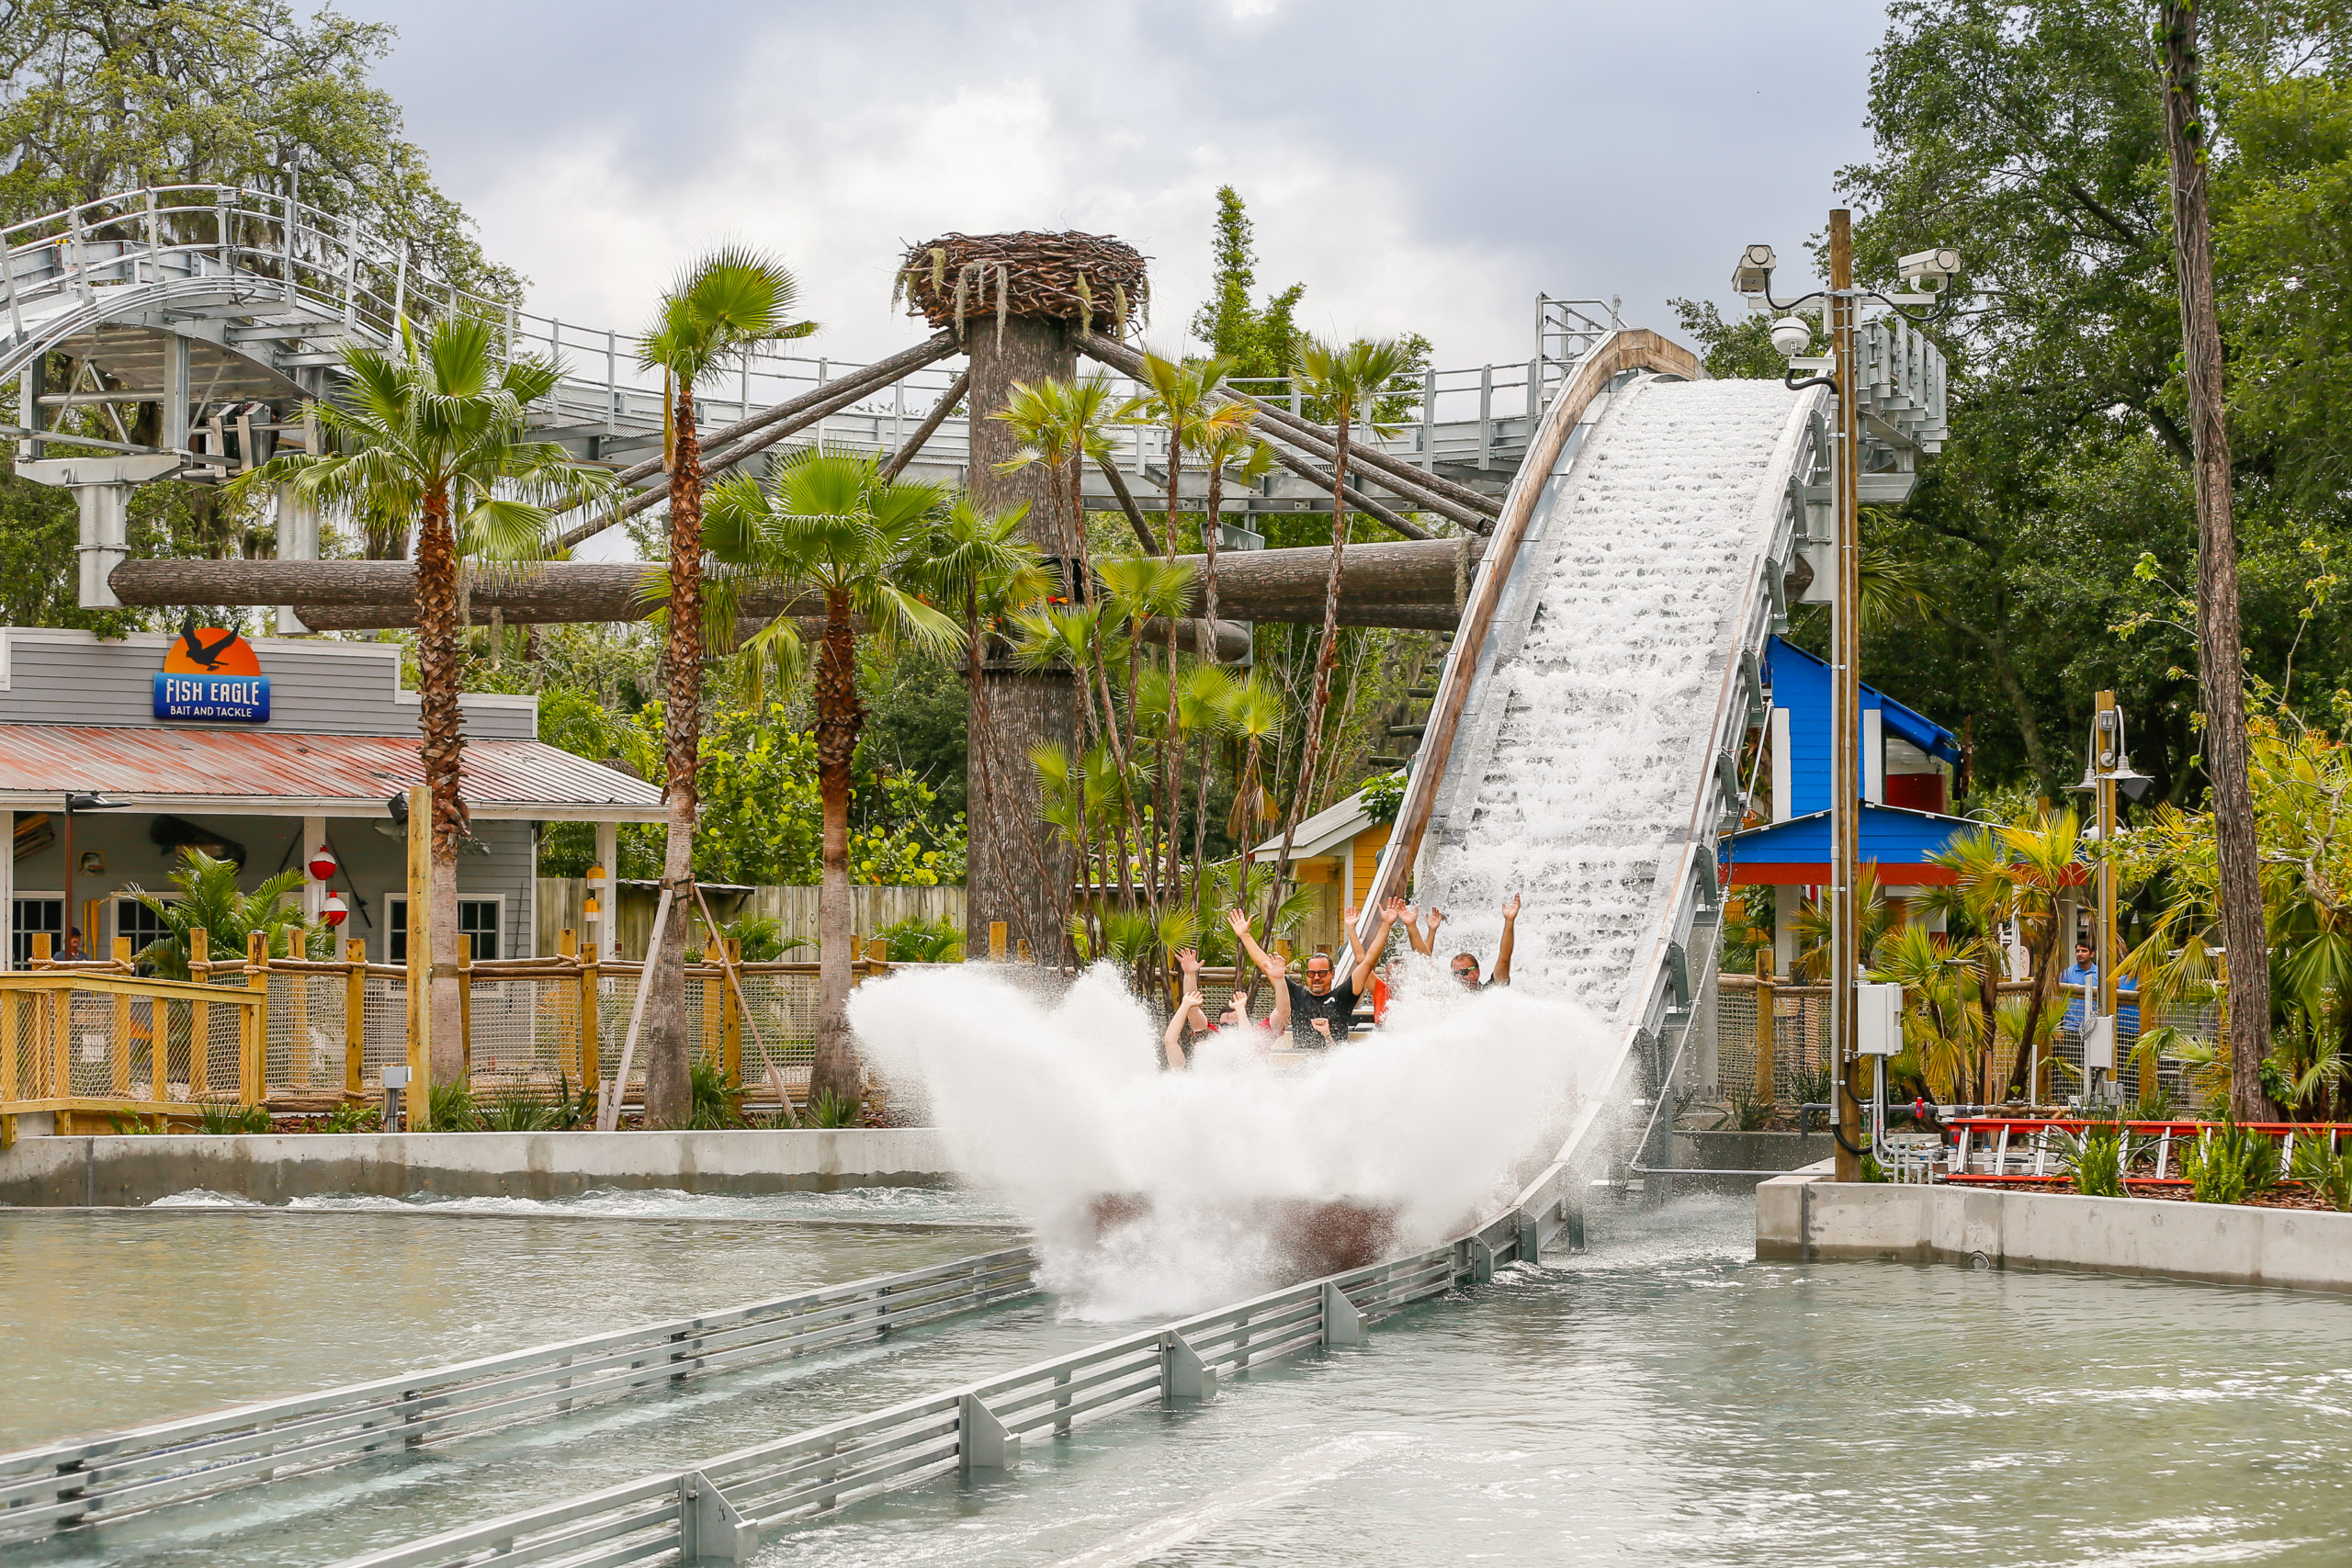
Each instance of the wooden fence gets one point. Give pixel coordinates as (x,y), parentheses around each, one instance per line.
(562,901)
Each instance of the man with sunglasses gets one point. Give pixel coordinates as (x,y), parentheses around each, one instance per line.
(1323,1007)
(1466,964)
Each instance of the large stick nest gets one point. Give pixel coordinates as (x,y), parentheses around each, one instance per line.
(966,280)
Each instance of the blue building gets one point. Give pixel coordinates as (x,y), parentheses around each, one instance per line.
(1906,764)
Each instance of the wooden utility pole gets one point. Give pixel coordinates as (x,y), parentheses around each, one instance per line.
(1844,704)
(2220,646)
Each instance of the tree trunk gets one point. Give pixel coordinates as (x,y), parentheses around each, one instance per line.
(668,1047)
(2220,644)
(1325,655)
(836,1070)
(442,727)
(1010,714)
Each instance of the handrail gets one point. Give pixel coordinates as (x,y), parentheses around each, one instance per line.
(974,1428)
(1629,348)
(59,1485)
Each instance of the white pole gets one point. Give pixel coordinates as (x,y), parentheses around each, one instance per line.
(609,1114)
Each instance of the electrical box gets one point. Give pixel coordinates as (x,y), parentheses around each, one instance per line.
(2098,1043)
(396,1076)
(1878,1025)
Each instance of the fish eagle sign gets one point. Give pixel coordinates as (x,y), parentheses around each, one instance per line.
(211,672)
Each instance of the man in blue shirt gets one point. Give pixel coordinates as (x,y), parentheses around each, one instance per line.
(2084,972)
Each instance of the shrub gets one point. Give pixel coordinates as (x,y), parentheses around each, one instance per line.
(2230,1165)
(719,1100)
(351,1117)
(449,1108)
(2327,1171)
(917,940)
(835,1111)
(228,1120)
(2097,1158)
(518,1112)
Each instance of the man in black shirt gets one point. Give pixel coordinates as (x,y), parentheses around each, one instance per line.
(1323,1008)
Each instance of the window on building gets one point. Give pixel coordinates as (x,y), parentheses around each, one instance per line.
(478,926)
(139,923)
(35,914)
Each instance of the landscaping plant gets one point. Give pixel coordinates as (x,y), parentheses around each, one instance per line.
(450,1108)
(831,1110)
(224,1120)
(719,1100)
(2230,1163)
(2326,1169)
(2097,1158)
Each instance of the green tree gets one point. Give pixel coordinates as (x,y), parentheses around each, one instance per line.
(832,522)
(722,307)
(107,95)
(1262,340)
(208,901)
(434,431)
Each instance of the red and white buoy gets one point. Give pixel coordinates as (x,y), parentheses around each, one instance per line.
(333,911)
(322,865)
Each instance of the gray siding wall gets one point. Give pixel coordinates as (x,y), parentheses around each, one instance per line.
(374,864)
(50,676)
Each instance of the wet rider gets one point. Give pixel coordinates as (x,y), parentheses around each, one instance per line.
(1466,964)
(1323,1008)
(1191,1017)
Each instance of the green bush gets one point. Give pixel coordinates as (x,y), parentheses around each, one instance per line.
(351,1117)
(719,1100)
(2327,1171)
(449,1108)
(917,940)
(834,1111)
(228,1120)
(2097,1158)
(2230,1165)
(516,1112)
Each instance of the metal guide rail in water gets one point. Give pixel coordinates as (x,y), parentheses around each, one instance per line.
(48,1489)
(717,1511)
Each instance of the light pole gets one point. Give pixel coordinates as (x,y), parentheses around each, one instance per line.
(1841,305)
(2107,768)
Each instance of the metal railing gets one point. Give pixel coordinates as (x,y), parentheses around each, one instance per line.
(717,1509)
(49,1489)
(308,279)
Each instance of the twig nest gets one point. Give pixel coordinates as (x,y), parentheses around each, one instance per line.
(963,280)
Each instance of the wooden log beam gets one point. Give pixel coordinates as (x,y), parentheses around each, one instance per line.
(732,444)
(929,425)
(351,594)
(1425,491)
(1118,482)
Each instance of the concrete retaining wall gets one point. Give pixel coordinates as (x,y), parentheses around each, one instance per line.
(1808,1217)
(129,1171)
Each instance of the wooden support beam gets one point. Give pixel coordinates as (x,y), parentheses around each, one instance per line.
(345,595)
(929,425)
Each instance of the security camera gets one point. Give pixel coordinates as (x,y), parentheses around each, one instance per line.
(1929,271)
(1754,273)
(1792,335)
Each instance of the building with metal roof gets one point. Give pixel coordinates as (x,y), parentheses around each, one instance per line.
(263,751)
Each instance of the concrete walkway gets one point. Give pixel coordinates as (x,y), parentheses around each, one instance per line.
(1806,1215)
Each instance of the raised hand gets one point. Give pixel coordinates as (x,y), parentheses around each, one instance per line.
(1188,961)
(1349,914)
(1511,908)
(1437,918)
(1394,909)
(1239,921)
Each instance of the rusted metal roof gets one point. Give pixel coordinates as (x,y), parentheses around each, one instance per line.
(245,772)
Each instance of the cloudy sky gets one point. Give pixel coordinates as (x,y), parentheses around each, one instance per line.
(1427,166)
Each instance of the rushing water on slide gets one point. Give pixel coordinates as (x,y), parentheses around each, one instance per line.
(1662,1398)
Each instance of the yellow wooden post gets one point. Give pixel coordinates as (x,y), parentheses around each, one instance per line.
(1768,1028)
(9,1087)
(354,1014)
(996,941)
(418,1097)
(199,1016)
(40,948)
(1022,949)
(466,1005)
(121,1020)
(253,1087)
(591,987)
(732,1038)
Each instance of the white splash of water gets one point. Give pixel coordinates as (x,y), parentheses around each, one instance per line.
(1220,1174)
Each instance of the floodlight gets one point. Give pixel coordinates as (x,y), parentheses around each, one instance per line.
(1754,273)
(2133,783)
(1792,335)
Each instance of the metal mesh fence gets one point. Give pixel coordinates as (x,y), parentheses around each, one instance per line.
(62,1039)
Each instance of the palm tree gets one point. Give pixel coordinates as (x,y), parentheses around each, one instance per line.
(1985,897)
(1349,381)
(433,430)
(831,522)
(208,901)
(719,309)
(1065,425)
(2045,862)
(1232,447)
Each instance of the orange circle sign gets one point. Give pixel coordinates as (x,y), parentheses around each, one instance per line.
(210,650)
